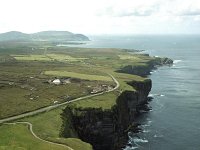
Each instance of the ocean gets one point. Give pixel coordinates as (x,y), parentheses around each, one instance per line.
(174,121)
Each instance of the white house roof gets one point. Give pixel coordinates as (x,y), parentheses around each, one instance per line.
(56,81)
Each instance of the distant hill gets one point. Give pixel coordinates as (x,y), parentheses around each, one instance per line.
(14,35)
(43,36)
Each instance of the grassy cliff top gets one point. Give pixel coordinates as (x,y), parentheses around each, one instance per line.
(28,69)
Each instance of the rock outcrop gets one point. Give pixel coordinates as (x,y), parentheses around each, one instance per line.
(144,70)
(108,129)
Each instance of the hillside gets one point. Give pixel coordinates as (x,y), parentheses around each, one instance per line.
(43,36)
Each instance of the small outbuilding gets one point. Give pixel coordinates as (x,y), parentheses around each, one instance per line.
(56,81)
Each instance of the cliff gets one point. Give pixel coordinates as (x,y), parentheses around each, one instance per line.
(107,129)
(144,70)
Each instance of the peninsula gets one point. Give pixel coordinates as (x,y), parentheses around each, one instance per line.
(67,98)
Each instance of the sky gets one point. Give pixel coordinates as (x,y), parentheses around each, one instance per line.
(101,16)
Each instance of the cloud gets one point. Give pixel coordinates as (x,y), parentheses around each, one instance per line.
(130,8)
(190,12)
(182,8)
(135,12)
(101,16)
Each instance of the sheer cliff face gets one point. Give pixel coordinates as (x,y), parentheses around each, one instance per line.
(145,70)
(107,129)
(129,102)
(143,88)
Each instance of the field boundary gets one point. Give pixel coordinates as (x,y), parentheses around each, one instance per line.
(31,130)
(48,108)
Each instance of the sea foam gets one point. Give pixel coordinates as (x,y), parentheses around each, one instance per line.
(176,61)
(138,140)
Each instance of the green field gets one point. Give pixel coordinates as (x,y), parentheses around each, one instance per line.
(31,57)
(129,57)
(47,57)
(31,89)
(105,101)
(48,126)
(18,137)
(63,58)
(78,75)
(27,72)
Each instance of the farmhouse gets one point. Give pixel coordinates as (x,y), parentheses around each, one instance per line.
(56,81)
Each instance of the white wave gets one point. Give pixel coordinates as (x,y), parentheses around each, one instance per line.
(176,61)
(135,147)
(137,140)
(146,131)
(153,95)
(150,95)
(157,136)
(143,111)
(145,125)
(131,148)
(152,72)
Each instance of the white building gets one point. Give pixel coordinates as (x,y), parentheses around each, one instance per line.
(56,81)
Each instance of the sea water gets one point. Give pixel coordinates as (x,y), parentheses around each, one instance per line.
(174,122)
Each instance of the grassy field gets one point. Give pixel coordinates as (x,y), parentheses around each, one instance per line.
(108,100)
(27,80)
(18,137)
(105,101)
(27,71)
(31,89)
(78,75)
(47,57)
(129,57)
(32,57)
(48,126)
(64,57)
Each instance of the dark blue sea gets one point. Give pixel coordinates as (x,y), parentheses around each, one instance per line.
(174,122)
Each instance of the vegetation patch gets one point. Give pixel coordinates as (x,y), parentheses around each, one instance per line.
(18,137)
(78,75)
(63,57)
(30,80)
(131,57)
(49,125)
(32,58)
(105,101)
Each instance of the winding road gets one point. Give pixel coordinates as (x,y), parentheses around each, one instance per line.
(50,108)
(58,105)
(31,130)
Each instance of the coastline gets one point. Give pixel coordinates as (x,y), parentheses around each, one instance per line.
(103,120)
(108,129)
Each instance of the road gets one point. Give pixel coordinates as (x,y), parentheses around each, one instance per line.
(58,105)
(50,108)
(31,130)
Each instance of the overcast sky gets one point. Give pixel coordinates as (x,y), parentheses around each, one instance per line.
(101,16)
